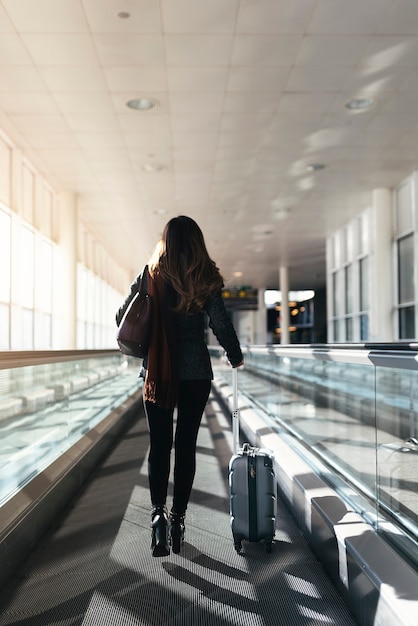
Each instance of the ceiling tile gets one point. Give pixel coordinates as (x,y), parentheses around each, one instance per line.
(409,82)
(153,188)
(387,137)
(393,121)
(265,50)
(144,124)
(6,25)
(361,18)
(362,154)
(240,140)
(235,153)
(297,119)
(409,139)
(312,102)
(64,159)
(200,79)
(182,16)
(316,79)
(402,19)
(73,79)
(144,16)
(192,181)
(124,182)
(326,50)
(187,147)
(188,102)
(77,102)
(384,52)
(247,102)
(283,158)
(94,122)
(61,50)
(196,122)
(194,167)
(142,80)
(46,16)
(40,123)
(123,50)
(61,140)
(271,16)
(12,50)
(404,102)
(20,79)
(94,143)
(189,50)
(368,80)
(259,80)
(286,137)
(236,122)
(28,103)
(118,158)
(147,144)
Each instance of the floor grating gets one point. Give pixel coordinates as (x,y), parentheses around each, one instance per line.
(95,567)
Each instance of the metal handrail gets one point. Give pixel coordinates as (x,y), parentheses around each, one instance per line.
(22,358)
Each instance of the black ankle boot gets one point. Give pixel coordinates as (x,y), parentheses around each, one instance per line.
(177,529)
(159,525)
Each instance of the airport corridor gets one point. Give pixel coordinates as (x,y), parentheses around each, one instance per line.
(94,567)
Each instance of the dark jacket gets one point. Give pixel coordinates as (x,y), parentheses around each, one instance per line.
(193,355)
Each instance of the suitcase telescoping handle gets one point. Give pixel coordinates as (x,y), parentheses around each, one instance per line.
(235,411)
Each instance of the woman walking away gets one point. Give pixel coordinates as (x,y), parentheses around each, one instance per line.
(184,284)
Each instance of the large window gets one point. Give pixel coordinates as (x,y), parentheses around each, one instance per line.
(32,315)
(97,303)
(349,282)
(26,310)
(406,291)
(5,264)
(335,297)
(348,300)
(43,297)
(364,297)
(25,294)
(5,260)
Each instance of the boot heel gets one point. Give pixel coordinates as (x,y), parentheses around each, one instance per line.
(177,530)
(159,535)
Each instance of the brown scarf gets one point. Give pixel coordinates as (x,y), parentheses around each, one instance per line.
(160,385)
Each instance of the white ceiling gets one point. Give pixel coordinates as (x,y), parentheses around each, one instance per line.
(250,92)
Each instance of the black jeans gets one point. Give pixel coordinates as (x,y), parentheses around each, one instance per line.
(192,398)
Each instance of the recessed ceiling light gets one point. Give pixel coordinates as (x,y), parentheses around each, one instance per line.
(237,274)
(315,167)
(142,104)
(360,104)
(152,167)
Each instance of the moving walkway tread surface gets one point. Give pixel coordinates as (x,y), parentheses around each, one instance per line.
(95,567)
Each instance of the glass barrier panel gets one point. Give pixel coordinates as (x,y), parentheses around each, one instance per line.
(45,409)
(358,414)
(397,445)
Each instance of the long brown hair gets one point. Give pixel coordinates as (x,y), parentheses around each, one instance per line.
(181,258)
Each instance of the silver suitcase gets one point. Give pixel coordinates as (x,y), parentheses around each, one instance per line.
(252,487)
